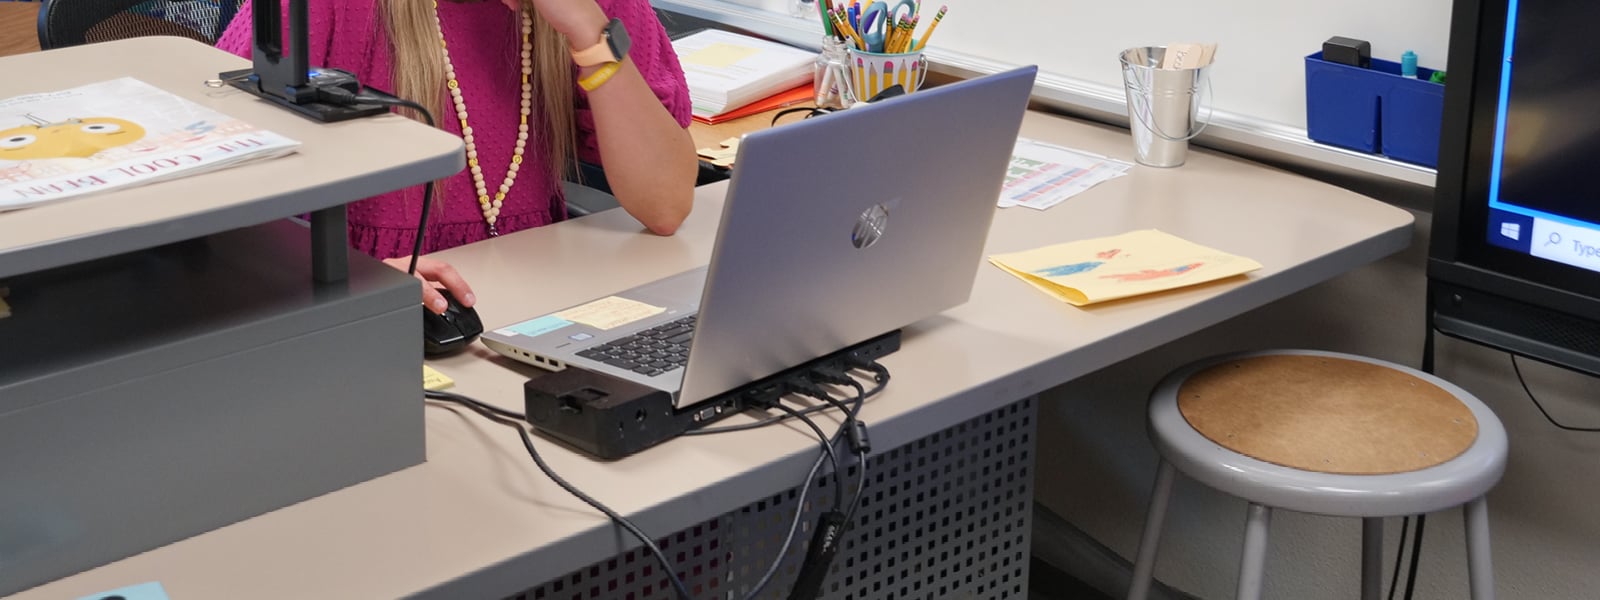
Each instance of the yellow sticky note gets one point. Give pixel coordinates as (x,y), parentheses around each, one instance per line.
(609,312)
(722,156)
(1134,263)
(719,55)
(433,380)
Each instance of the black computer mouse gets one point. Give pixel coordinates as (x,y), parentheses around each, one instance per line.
(450,331)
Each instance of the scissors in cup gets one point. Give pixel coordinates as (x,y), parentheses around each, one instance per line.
(878,20)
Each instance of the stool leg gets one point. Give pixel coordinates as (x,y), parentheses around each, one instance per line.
(1144,566)
(1479,567)
(1371,559)
(1253,565)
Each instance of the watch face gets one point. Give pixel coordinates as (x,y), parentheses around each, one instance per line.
(617,38)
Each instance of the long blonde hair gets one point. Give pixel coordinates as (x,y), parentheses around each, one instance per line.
(414,44)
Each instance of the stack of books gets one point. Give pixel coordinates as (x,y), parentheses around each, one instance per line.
(727,71)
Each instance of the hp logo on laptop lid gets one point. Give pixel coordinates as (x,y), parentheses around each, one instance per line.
(871,224)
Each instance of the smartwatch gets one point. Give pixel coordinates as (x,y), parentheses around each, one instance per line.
(613,46)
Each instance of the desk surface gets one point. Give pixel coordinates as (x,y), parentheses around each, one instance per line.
(19,27)
(478,520)
(336,162)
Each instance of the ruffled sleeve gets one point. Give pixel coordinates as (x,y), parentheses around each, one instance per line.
(653,55)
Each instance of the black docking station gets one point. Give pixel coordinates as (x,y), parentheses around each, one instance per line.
(610,418)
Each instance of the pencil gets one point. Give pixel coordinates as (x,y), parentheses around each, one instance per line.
(823,6)
(931,26)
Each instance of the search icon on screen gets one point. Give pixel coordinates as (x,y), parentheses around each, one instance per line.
(1555,238)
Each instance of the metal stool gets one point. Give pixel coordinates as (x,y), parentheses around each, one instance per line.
(1330,434)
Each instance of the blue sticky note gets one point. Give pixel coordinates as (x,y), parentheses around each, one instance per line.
(144,591)
(540,325)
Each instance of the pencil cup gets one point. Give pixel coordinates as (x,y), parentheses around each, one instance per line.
(1163,106)
(873,72)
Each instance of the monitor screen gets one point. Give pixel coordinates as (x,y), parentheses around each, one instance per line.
(1544,181)
(1515,257)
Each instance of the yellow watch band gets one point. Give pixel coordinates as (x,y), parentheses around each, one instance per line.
(599,76)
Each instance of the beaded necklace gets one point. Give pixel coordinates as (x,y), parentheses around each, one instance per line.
(490,206)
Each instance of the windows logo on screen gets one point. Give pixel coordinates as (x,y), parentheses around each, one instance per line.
(1511,230)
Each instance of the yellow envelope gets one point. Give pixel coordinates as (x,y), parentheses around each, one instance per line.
(1134,263)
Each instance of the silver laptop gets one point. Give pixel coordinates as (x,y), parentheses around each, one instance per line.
(836,229)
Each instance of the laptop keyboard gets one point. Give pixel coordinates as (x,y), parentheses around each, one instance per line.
(650,352)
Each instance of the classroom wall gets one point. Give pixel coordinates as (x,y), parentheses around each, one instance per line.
(1260,68)
(1096,465)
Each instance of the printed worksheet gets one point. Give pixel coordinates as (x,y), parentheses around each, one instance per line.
(1043,175)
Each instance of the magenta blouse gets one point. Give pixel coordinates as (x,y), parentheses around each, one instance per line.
(485,45)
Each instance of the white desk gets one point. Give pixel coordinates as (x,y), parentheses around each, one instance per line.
(478,520)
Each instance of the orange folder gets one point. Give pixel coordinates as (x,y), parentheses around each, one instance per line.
(798,95)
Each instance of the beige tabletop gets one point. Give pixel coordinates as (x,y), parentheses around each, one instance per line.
(479,520)
(336,163)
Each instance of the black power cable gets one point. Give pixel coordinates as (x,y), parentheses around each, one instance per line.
(496,415)
(517,420)
(1416,554)
(1399,556)
(1518,369)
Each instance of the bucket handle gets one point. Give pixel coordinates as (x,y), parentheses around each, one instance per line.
(1142,115)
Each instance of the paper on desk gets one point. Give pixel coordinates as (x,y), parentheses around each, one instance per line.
(1043,175)
(1134,263)
(608,312)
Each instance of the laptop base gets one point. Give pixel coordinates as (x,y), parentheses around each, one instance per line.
(610,418)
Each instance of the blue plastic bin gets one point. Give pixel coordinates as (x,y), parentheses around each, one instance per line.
(1374,110)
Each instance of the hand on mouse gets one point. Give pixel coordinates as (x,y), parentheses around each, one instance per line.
(436,273)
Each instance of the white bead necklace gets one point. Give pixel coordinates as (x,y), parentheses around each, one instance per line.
(491,206)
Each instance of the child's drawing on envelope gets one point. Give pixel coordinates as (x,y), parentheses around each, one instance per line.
(1139,262)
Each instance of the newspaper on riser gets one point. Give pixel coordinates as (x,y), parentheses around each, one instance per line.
(116,134)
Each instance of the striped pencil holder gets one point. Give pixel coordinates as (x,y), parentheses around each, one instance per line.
(873,72)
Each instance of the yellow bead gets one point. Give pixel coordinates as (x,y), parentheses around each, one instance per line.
(516,160)
(452,84)
(472,162)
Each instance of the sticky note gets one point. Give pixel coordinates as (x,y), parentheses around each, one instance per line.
(719,55)
(143,591)
(433,380)
(537,326)
(610,312)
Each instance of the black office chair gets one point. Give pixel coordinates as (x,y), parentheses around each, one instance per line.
(65,23)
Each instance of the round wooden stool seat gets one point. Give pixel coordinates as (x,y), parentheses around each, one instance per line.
(1327,414)
(1329,434)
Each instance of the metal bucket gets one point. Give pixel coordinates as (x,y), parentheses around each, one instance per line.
(1163,106)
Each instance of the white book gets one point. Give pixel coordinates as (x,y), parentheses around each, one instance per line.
(726,71)
(116,134)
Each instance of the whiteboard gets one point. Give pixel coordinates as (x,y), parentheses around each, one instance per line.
(1260,67)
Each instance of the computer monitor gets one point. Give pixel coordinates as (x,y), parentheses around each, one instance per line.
(1515,257)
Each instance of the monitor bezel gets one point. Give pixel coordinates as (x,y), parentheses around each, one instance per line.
(1460,252)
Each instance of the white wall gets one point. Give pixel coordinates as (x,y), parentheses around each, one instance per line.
(1096,465)
(1260,68)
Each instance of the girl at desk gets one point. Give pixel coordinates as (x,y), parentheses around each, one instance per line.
(530,83)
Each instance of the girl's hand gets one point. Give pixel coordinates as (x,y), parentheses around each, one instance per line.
(579,20)
(435,274)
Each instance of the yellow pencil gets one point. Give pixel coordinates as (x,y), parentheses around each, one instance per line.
(931,26)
